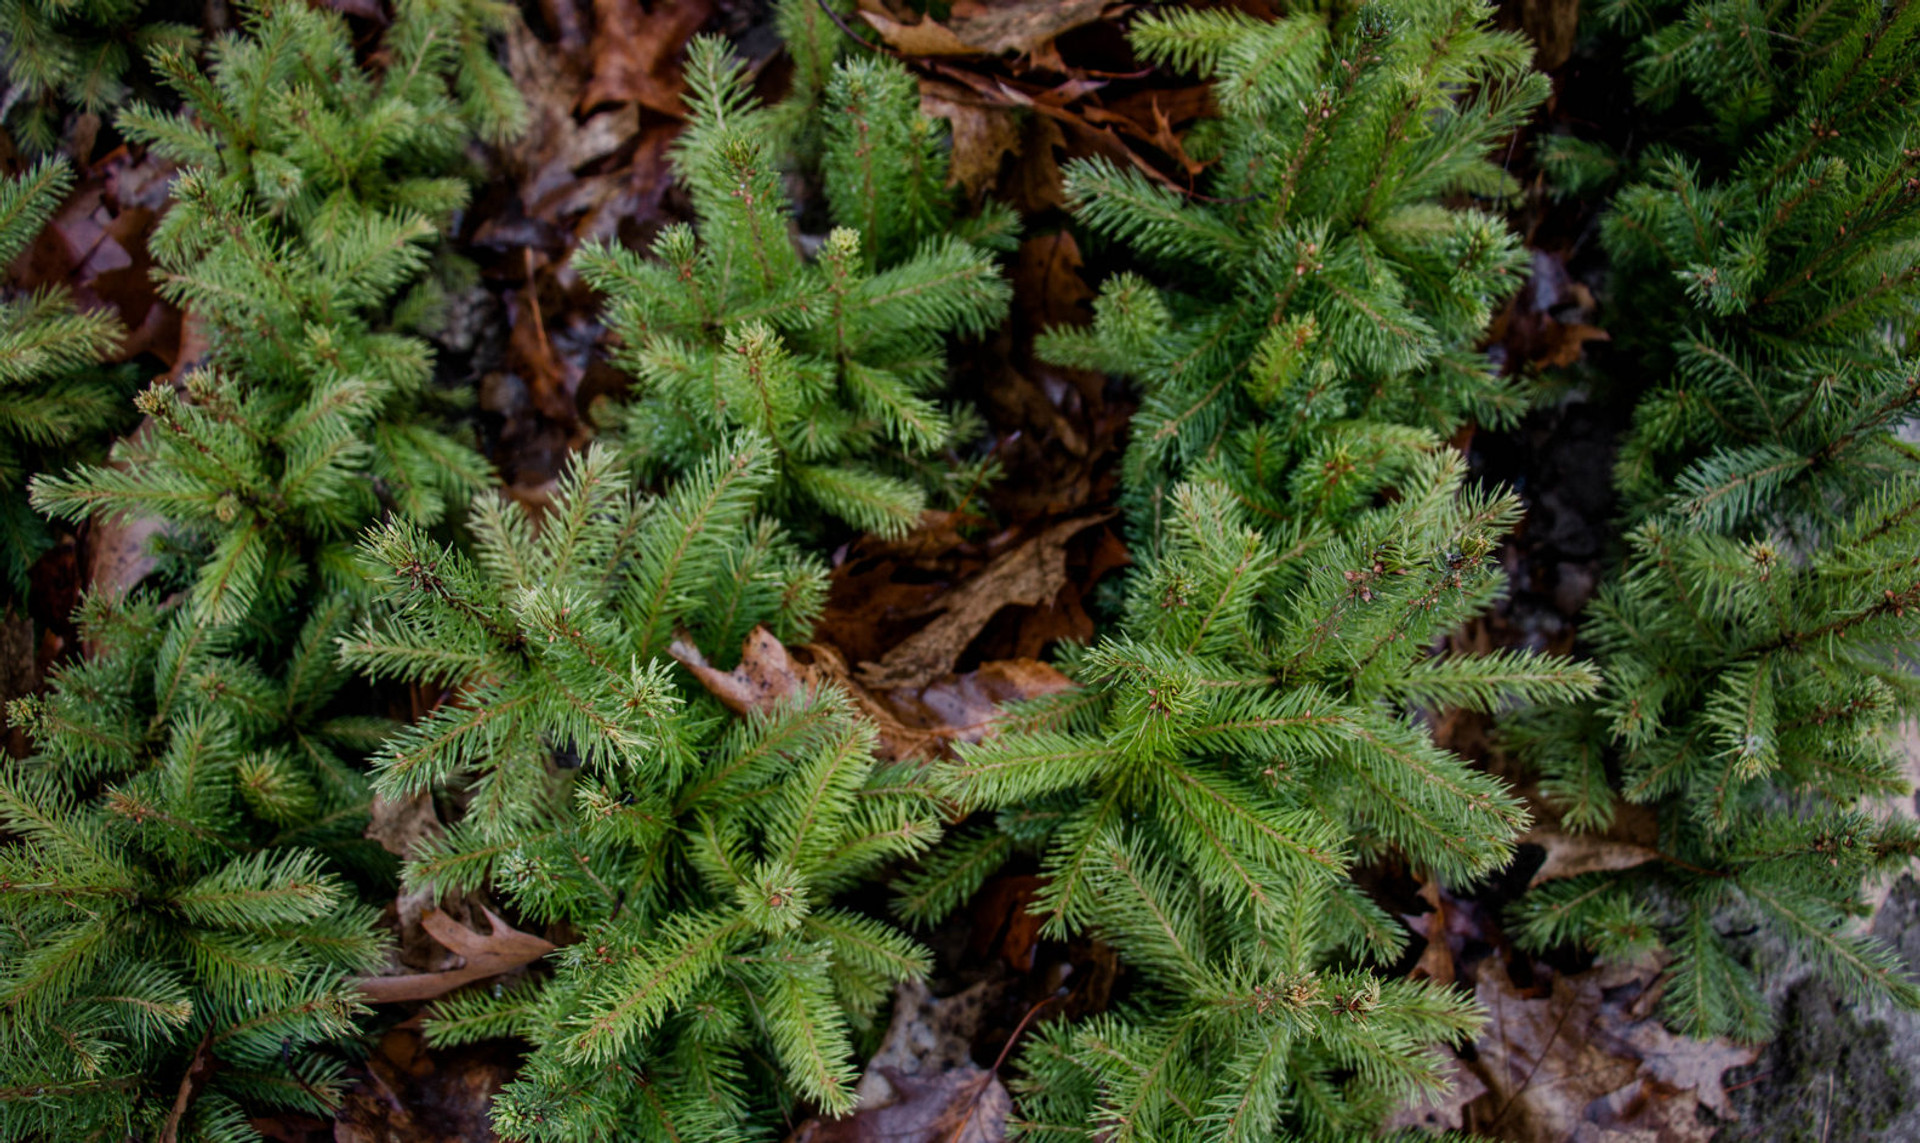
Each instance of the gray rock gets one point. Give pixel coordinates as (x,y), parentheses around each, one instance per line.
(1838,1072)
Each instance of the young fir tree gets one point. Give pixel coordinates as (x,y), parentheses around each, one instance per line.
(309,192)
(1753,638)
(814,43)
(173,916)
(835,359)
(1247,734)
(696,856)
(59,55)
(54,397)
(163,910)
(1320,295)
(1240,742)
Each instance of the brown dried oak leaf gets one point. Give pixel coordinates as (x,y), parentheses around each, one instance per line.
(503,949)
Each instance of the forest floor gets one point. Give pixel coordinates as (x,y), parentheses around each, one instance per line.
(939,627)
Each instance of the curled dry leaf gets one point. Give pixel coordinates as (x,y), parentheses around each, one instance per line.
(120,552)
(502,949)
(1631,839)
(767,674)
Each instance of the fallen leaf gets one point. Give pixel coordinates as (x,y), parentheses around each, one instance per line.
(1686,1064)
(959,708)
(983,133)
(880,588)
(551,378)
(927,38)
(1564,344)
(1002,922)
(120,552)
(975,28)
(408,1094)
(1169,142)
(767,674)
(119,545)
(551,80)
(636,52)
(1436,960)
(996,26)
(593,165)
(1570,855)
(585,166)
(966,1105)
(882,592)
(1051,290)
(1030,574)
(1048,273)
(893,740)
(1445,1112)
(922,1086)
(1546,325)
(96,247)
(1583,1063)
(1631,839)
(400,824)
(194,345)
(502,949)
(964,708)
(1144,113)
(1036,182)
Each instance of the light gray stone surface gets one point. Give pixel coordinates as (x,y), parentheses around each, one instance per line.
(1838,1072)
